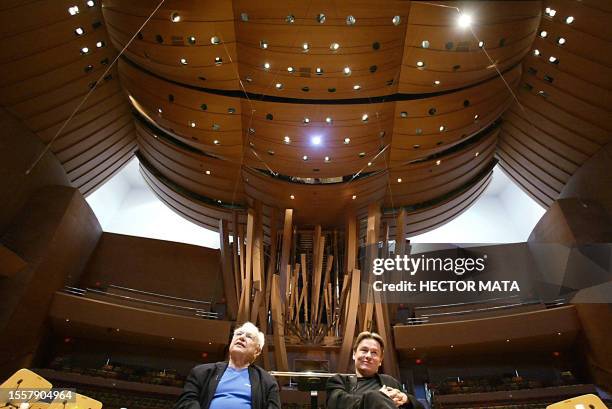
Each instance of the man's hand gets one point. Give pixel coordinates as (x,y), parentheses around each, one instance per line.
(398,397)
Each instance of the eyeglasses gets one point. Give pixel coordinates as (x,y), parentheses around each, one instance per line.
(250,336)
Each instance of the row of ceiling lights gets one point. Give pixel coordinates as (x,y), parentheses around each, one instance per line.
(74,10)
(550,12)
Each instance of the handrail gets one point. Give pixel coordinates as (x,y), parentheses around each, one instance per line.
(425,318)
(159,295)
(197,311)
(466,303)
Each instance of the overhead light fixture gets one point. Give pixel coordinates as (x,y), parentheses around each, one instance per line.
(327,159)
(347,141)
(436,82)
(290,69)
(464,20)
(321,18)
(561,40)
(192,124)
(420,64)
(334,46)
(306,120)
(476,154)
(347,70)
(536,52)
(318,70)
(364,117)
(215,40)
(279,85)
(175,17)
(219,61)
(305,158)
(291,197)
(569,20)
(73,10)
(90,3)
(356,87)
(442,128)
(266,66)
(287,140)
(207,172)
(79,31)
(350,20)
(329,120)
(84,50)
(305,47)
(216,142)
(263,44)
(481,44)
(399,180)
(369,163)
(354,197)
(438,162)
(316,140)
(425,44)
(290,19)
(543,33)
(552,59)
(396,20)
(183,61)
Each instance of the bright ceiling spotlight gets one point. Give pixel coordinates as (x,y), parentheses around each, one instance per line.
(73,10)
(304,157)
(90,3)
(334,46)
(266,66)
(175,17)
(279,85)
(79,31)
(364,117)
(347,141)
(396,20)
(536,52)
(183,61)
(329,120)
(214,40)
(347,70)
(290,69)
(287,140)
(327,159)
(561,41)
(350,20)
(316,140)
(290,19)
(420,64)
(306,120)
(569,20)
(305,47)
(356,87)
(263,44)
(464,20)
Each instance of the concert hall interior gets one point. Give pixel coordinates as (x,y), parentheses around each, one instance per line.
(291,142)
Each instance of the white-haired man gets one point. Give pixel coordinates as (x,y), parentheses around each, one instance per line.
(237,384)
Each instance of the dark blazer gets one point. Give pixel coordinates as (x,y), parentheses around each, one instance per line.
(202,382)
(340,393)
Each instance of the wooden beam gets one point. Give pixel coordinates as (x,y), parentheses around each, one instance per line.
(258,243)
(285,250)
(373,229)
(229,286)
(278,327)
(350,324)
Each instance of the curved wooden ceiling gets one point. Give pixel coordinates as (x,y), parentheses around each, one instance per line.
(388,102)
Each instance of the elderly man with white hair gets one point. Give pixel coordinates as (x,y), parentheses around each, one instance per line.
(237,384)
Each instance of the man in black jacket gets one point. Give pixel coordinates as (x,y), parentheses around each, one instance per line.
(368,389)
(237,384)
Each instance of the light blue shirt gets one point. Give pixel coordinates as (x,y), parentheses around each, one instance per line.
(233,390)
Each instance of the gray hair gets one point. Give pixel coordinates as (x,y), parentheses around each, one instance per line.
(250,327)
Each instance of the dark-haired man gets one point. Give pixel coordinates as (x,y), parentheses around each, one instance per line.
(368,389)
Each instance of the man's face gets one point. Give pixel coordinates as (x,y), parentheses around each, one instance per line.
(367,357)
(244,344)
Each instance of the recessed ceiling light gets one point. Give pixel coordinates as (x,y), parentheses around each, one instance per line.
(244,17)
(192,124)
(396,20)
(420,64)
(476,117)
(404,114)
(216,127)
(327,159)
(279,85)
(569,20)
(425,44)
(361,154)
(287,140)
(183,61)
(561,40)
(347,141)
(290,19)
(306,120)
(266,66)
(79,31)
(263,44)
(290,69)
(464,20)
(90,3)
(175,17)
(552,12)
(84,50)
(536,52)
(73,10)
(553,59)
(219,61)
(436,82)
(215,40)
(481,44)
(364,117)
(305,47)
(319,70)
(369,163)
(476,154)
(305,157)
(329,120)
(191,40)
(316,140)
(438,162)
(399,180)
(159,110)
(350,20)
(216,142)
(354,197)
(321,18)
(543,33)
(291,197)
(356,87)
(334,46)
(100,44)
(442,128)
(347,70)
(208,172)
